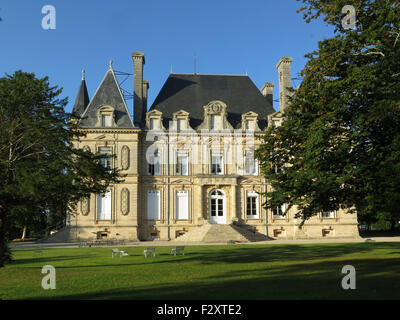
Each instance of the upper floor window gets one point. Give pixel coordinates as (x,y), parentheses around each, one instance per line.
(250,163)
(154,164)
(182,160)
(106,157)
(217,162)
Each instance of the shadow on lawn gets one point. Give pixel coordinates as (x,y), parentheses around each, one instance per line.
(298,281)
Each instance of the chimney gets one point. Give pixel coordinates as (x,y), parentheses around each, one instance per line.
(139,109)
(146,87)
(285,81)
(267,91)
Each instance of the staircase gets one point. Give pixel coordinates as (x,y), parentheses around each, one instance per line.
(61,233)
(220,233)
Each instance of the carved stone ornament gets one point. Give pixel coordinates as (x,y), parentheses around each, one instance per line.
(215,107)
(86,148)
(125,201)
(125,158)
(85,206)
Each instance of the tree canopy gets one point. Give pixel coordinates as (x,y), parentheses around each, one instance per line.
(340,138)
(40,169)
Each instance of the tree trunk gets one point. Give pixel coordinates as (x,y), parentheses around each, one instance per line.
(24,233)
(5,255)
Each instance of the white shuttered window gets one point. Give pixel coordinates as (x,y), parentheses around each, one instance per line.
(104,206)
(153,205)
(182,205)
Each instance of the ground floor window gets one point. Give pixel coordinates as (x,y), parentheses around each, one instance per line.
(153,205)
(104,206)
(252,205)
(280,212)
(182,205)
(328,214)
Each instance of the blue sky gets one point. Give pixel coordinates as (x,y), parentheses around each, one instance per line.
(226,36)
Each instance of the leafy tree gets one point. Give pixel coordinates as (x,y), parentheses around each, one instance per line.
(40,169)
(340,138)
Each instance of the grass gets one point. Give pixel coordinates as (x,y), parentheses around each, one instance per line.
(273,271)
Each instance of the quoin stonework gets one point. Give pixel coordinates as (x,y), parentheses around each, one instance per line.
(191,174)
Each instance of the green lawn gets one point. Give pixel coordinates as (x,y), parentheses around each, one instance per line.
(270,271)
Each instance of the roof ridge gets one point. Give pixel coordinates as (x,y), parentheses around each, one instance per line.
(209,74)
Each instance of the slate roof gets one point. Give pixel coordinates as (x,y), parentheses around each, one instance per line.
(108,93)
(191,92)
(82,99)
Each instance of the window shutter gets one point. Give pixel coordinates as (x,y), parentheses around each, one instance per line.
(182,205)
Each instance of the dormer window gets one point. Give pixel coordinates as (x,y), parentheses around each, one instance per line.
(106,117)
(153,123)
(154,120)
(180,124)
(215,122)
(249,121)
(250,125)
(106,120)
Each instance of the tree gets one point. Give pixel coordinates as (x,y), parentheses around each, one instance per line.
(40,169)
(340,138)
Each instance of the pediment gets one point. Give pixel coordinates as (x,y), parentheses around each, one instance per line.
(181,113)
(181,181)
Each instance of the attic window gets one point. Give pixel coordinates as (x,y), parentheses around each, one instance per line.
(180,124)
(154,124)
(250,125)
(215,122)
(106,116)
(106,120)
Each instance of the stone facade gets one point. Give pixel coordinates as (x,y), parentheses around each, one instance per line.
(204,168)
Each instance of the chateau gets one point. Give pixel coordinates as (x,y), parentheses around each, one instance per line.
(188,160)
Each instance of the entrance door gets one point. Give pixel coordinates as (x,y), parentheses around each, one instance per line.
(217,207)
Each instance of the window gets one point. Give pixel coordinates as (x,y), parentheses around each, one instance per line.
(250,164)
(328,214)
(153,205)
(215,122)
(106,120)
(104,206)
(217,162)
(277,168)
(154,123)
(106,157)
(252,205)
(180,124)
(154,164)
(279,212)
(182,163)
(217,203)
(182,205)
(250,125)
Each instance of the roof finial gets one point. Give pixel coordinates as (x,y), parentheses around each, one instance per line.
(83,74)
(110,63)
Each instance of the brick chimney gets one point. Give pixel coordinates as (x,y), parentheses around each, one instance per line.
(139,107)
(285,81)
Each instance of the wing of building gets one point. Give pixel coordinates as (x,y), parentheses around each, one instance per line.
(189,162)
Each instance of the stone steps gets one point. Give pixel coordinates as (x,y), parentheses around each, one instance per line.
(220,233)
